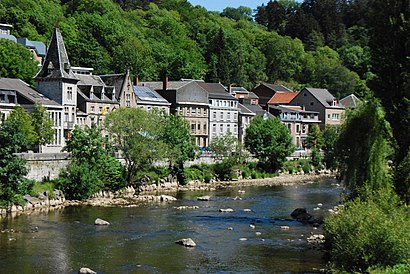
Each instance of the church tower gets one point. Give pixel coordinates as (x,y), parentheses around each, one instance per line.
(57,81)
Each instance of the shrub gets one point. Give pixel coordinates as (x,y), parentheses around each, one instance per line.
(397,269)
(41,187)
(369,233)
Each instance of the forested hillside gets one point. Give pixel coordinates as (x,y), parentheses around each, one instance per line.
(299,47)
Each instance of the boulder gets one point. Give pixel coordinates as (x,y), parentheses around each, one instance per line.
(204,198)
(99,221)
(167,198)
(297,212)
(85,270)
(226,210)
(188,242)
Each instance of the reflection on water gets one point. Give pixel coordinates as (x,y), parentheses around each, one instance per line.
(142,239)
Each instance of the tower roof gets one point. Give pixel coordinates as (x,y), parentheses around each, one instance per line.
(56,64)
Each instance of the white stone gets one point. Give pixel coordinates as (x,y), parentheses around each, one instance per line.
(188,242)
(85,270)
(247,210)
(284,227)
(252,226)
(99,221)
(226,210)
(204,198)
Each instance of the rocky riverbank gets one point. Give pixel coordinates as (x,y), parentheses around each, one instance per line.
(149,193)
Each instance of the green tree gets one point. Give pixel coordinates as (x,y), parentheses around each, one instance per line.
(363,149)
(229,154)
(136,134)
(240,13)
(269,141)
(12,168)
(43,125)
(330,137)
(180,143)
(16,61)
(24,125)
(92,168)
(315,144)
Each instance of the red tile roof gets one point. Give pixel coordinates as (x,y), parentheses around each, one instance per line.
(281,97)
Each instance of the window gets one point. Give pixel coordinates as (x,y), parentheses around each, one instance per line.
(311,103)
(228,116)
(193,111)
(214,115)
(69,93)
(92,108)
(297,128)
(12,99)
(222,115)
(193,128)
(335,116)
(204,128)
(221,128)
(2,98)
(228,127)
(214,128)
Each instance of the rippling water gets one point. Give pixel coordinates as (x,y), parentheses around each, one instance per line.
(142,239)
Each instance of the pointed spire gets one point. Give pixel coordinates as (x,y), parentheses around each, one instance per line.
(56,64)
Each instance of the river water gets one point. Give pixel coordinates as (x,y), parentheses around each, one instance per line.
(142,239)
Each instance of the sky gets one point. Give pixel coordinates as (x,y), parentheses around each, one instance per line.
(219,5)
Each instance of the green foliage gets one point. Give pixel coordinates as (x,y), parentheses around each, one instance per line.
(23,125)
(16,61)
(137,135)
(12,168)
(297,165)
(43,125)
(363,149)
(92,168)
(369,233)
(315,138)
(403,268)
(41,187)
(269,141)
(330,137)
(402,177)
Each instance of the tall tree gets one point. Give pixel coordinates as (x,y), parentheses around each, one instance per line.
(269,141)
(24,125)
(43,125)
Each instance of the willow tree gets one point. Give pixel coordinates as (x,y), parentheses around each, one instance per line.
(363,149)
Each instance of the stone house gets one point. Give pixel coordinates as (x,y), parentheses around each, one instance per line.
(189,100)
(323,102)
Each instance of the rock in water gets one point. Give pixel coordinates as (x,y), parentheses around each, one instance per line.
(226,210)
(204,198)
(99,221)
(188,242)
(85,270)
(297,212)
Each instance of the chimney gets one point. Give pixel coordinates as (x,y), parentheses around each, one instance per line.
(230,89)
(164,81)
(136,80)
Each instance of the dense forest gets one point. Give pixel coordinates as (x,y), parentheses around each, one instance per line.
(314,43)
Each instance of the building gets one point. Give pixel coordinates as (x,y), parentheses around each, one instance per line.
(224,110)
(281,98)
(16,92)
(321,101)
(298,121)
(265,91)
(189,100)
(245,118)
(148,99)
(124,88)
(350,101)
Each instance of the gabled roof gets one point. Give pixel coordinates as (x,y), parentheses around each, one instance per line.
(252,95)
(115,80)
(323,96)
(350,101)
(258,110)
(239,90)
(245,111)
(172,85)
(90,80)
(146,94)
(38,46)
(56,60)
(281,97)
(276,88)
(23,89)
(216,90)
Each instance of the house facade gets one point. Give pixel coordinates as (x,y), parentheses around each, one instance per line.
(323,102)
(297,120)
(190,101)
(224,110)
(16,92)
(148,99)
(245,118)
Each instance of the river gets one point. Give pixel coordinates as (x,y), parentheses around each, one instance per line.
(142,239)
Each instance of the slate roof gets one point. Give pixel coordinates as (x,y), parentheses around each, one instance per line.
(244,110)
(258,110)
(56,60)
(277,87)
(24,90)
(38,46)
(350,101)
(90,80)
(146,94)
(252,95)
(9,37)
(172,85)
(323,96)
(115,80)
(281,97)
(216,90)
(239,90)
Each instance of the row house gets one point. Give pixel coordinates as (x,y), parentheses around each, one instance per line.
(323,102)
(298,121)
(189,100)
(16,92)
(148,99)
(265,91)
(224,110)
